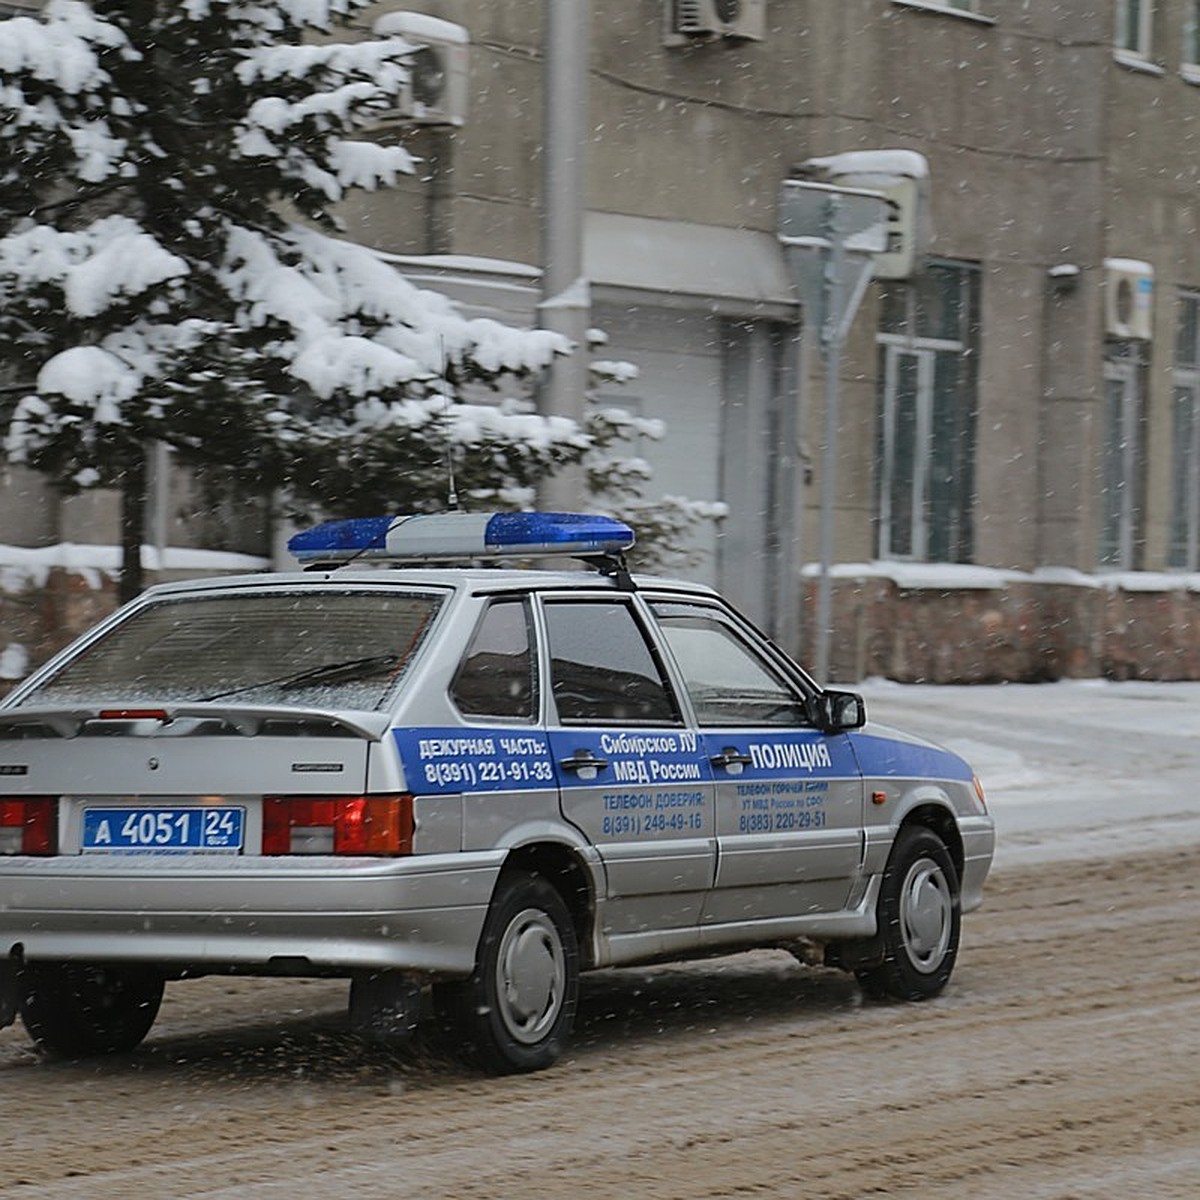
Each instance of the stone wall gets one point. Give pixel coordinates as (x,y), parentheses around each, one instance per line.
(1021,628)
(40,617)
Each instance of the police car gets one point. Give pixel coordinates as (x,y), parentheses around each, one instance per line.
(458,787)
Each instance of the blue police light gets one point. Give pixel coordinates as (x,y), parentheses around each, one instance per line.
(427,536)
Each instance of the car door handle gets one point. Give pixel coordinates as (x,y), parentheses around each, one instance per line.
(583,760)
(731,756)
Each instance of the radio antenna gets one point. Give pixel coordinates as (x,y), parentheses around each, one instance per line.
(452,492)
(452,487)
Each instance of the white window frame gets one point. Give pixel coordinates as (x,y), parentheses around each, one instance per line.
(916,518)
(1185,459)
(1189,58)
(1138,53)
(1185,500)
(1120,466)
(909,519)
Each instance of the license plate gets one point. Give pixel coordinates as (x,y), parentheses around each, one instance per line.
(163,830)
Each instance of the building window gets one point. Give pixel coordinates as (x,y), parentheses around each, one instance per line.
(929,344)
(1121,466)
(603,671)
(1191,39)
(1184,550)
(1134,18)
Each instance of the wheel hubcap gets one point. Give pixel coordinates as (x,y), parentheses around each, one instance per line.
(926,912)
(530,975)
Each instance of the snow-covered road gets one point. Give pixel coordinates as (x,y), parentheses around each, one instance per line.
(1075,769)
(1060,1063)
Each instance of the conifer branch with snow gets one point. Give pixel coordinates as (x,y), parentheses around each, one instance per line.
(154,289)
(151,288)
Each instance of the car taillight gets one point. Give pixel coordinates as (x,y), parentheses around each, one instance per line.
(29,826)
(337,825)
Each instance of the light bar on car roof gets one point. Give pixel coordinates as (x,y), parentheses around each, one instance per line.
(427,536)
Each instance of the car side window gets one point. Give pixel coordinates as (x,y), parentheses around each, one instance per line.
(602,669)
(728,680)
(496,675)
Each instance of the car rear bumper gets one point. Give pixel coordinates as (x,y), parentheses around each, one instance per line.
(269,915)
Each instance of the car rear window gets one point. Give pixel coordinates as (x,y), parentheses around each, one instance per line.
(325,649)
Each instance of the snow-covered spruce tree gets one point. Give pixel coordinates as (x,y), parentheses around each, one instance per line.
(153,287)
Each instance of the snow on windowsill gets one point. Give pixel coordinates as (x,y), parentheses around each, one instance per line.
(946,577)
(463,262)
(945,10)
(949,577)
(1135,62)
(1150,581)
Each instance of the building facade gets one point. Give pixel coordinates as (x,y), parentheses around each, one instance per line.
(1024,400)
(1018,414)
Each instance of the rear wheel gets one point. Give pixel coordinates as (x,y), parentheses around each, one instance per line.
(74,1010)
(516,1011)
(919,917)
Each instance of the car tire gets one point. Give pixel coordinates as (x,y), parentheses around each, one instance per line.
(515,1013)
(77,1010)
(919,914)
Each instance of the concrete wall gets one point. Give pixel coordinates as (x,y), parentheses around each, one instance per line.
(1044,150)
(1151,181)
(1011,114)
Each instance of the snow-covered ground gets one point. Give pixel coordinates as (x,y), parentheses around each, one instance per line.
(1082,768)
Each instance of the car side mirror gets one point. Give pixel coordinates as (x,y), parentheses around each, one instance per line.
(837,712)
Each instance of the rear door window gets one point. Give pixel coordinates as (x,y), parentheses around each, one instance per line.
(602,668)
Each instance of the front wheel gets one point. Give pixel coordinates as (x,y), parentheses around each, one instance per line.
(516,1010)
(74,1010)
(919,918)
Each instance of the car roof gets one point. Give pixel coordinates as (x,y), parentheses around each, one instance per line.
(461,579)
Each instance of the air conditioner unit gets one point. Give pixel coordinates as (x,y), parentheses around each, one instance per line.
(438,83)
(903,178)
(1128,299)
(688,21)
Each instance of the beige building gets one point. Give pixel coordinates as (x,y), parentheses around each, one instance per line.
(1025,398)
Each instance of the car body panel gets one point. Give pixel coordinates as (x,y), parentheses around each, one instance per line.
(138,766)
(789,823)
(272,915)
(905,774)
(648,810)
